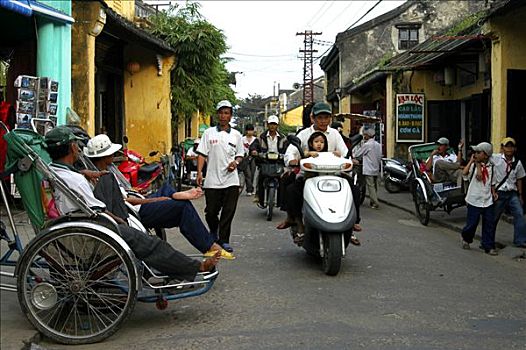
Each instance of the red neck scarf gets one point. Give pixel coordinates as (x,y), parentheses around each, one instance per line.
(485,173)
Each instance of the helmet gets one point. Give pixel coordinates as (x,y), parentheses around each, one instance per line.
(273,119)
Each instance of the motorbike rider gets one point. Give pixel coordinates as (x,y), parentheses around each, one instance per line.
(271,140)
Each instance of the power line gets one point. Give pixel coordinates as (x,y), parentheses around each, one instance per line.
(352,25)
(322,14)
(254,55)
(365,14)
(308,24)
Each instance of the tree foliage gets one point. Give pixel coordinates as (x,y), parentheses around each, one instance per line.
(199,78)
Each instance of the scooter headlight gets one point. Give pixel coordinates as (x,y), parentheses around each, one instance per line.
(329,185)
(310,166)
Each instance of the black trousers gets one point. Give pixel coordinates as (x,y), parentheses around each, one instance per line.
(159,254)
(221,201)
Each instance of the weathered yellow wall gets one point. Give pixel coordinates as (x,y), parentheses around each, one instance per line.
(147,102)
(83,62)
(508,52)
(422,82)
(390,116)
(345,107)
(293,117)
(125,8)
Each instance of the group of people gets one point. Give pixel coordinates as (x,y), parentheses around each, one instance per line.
(494,184)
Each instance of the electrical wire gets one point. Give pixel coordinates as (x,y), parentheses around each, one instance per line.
(322,14)
(317,13)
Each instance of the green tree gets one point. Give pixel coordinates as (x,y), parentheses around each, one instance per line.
(199,78)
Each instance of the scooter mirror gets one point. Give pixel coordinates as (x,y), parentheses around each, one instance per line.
(125,139)
(356,139)
(152,153)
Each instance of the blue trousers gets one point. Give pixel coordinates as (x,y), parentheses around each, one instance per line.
(176,213)
(510,200)
(488,225)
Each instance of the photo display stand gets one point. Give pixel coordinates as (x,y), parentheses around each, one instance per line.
(37,98)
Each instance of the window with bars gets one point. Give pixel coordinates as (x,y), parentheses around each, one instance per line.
(407,38)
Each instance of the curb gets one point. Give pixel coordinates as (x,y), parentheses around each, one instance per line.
(438,222)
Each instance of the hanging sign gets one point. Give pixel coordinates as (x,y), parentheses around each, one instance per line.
(409,117)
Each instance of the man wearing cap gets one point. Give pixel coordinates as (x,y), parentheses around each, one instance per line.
(509,173)
(480,197)
(222,149)
(164,209)
(271,140)
(64,151)
(445,166)
(371,154)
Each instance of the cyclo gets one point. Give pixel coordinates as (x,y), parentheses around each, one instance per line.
(270,169)
(77,280)
(428,195)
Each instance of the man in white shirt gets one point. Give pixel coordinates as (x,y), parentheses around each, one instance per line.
(445,166)
(222,148)
(271,140)
(509,174)
(64,150)
(371,153)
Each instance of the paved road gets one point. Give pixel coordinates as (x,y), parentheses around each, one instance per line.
(407,287)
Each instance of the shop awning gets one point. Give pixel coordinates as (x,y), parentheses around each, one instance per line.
(29,8)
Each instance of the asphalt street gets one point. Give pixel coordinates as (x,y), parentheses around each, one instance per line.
(406,287)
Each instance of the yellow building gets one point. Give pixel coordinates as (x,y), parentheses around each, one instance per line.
(293,116)
(121,76)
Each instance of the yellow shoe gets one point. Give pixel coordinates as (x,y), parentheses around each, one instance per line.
(224,254)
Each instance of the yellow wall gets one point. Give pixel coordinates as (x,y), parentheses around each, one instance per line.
(83,62)
(508,52)
(293,117)
(345,107)
(125,8)
(390,116)
(147,102)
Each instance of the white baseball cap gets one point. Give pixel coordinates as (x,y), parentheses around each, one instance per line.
(100,146)
(224,103)
(273,119)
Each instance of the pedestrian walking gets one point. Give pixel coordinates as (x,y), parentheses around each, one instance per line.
(371,154)
(509,173)
(480,197)
(222,149)
(248,165)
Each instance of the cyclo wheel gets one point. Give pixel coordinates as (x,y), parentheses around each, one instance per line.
(332,254)
(421,205)
(76,285)
(270,202)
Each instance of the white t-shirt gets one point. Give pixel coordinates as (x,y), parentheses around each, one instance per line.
(334,143)
(78,183)
(500,172)
(247,143)
(272,143)
(479,193)
(221,148)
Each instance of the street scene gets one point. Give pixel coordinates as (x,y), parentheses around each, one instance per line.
(180,174)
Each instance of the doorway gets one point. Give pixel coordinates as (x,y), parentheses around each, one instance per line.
(444,120)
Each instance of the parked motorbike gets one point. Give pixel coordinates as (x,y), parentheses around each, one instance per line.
(328,208)
(271,168)
(397,175)
(143,177)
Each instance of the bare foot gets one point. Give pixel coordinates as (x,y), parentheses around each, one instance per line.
(210,263)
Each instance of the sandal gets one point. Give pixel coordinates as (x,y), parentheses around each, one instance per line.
(357,227)
(285,224)
(355,241)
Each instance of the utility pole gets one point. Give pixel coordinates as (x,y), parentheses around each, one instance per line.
(308,79)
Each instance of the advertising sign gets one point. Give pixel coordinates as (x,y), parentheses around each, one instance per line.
(409,117)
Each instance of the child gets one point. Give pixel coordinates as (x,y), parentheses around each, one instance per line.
(317,143)
(480,197)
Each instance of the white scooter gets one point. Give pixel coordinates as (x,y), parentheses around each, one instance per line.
(328,209)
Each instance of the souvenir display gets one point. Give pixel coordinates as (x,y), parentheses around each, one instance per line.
(37,97)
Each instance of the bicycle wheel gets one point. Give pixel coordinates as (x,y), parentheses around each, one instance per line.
(76,285)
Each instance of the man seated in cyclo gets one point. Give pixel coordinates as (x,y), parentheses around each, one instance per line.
(270,141)
(64,151)
(294,192)
(445,166)
(164,209)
